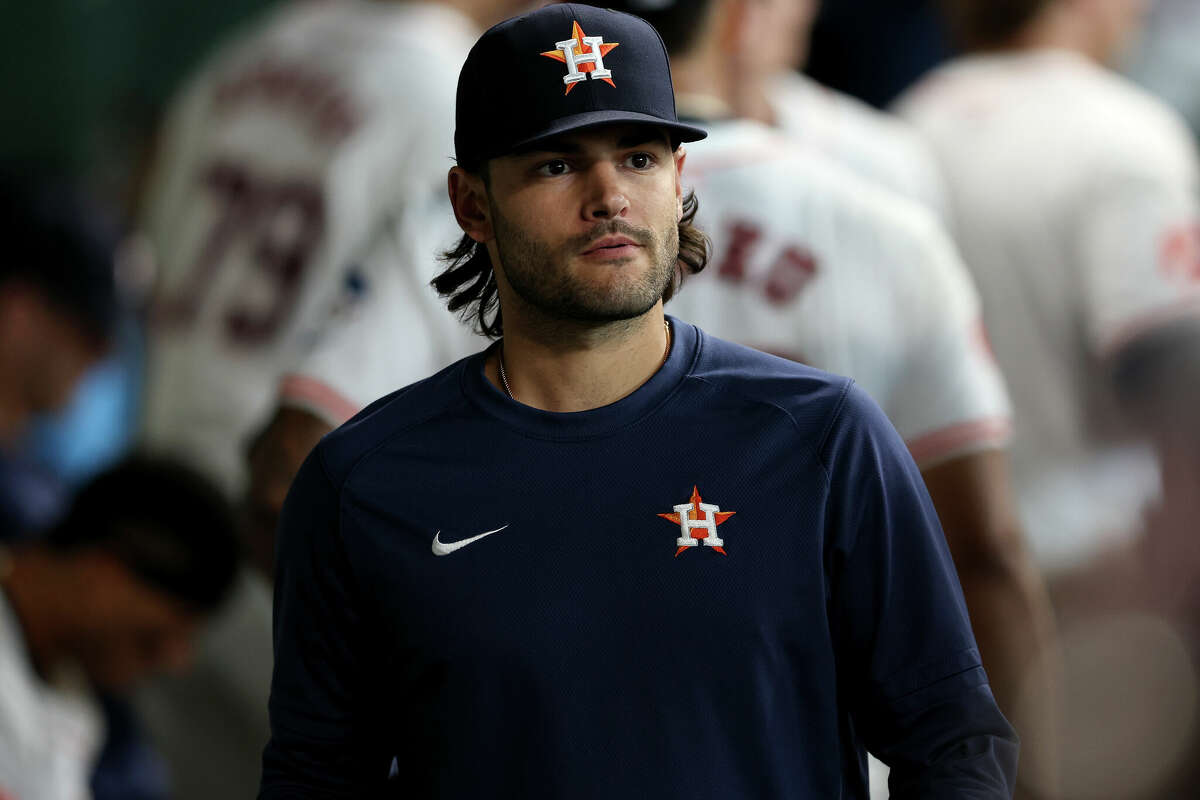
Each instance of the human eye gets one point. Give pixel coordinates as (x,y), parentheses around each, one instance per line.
(640,160)
(553,167)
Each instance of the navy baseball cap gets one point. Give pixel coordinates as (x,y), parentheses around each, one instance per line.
(559,69)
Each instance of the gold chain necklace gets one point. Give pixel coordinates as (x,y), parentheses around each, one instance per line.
(504,376)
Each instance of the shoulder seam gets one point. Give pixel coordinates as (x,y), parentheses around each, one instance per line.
(833,418)
(785,412)
(388,439)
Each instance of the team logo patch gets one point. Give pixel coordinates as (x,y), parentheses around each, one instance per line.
(582,55)
(698,523)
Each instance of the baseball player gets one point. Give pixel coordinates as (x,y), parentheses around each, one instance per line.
(472,584)
(282,163)
(1074,197)
(284,167)
(1075,203)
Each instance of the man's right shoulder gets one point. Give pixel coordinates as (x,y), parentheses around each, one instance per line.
(390,417)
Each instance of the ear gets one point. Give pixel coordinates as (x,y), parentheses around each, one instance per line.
(468,197)
(680,157)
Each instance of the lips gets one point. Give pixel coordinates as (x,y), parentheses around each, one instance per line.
(614,244)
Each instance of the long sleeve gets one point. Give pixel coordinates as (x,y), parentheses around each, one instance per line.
(323,742)
(907,661)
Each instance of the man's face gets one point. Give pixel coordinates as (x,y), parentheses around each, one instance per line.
(129,630)
(586,227)
(43,354)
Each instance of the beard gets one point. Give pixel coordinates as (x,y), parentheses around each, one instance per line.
(538,273)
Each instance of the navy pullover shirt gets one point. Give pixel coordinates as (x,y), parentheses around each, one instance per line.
(725,585)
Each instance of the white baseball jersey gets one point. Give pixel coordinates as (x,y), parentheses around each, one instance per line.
(813,263)
(1074,200)
(876,145)
(400,334)
(50,734)
(281,164)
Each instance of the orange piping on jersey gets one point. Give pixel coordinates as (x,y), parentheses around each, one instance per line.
(312,394)
(980,434)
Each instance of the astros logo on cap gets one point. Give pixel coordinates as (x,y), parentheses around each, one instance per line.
(571,52)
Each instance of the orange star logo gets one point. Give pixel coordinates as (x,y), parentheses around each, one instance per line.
(698,523)
(577,34)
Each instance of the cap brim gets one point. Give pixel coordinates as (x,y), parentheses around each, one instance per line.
(592,119)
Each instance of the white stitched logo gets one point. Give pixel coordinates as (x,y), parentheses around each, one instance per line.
(698,523)
(569,46)
(441,548)
(583,55)
(708,523)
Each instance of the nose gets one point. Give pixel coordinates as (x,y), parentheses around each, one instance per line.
(606,195)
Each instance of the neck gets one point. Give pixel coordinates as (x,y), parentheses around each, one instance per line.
(703,73)
(1060,28)
(566,366)
(36,601)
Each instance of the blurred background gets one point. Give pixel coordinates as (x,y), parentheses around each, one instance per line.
(106,111)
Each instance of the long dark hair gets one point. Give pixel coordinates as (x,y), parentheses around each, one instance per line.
(470,284)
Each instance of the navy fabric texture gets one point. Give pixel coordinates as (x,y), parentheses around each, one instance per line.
(575,653)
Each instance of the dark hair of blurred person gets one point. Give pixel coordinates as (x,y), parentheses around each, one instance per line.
(58,297)
(147,550)
(988,24)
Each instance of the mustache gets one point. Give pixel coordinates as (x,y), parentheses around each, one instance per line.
(643,236)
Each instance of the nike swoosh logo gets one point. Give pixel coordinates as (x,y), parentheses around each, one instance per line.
(441,548)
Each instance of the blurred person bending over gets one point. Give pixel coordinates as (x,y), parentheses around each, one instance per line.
(817,264)
(1074,197)
(112,594)
(472,582)
(282,168)
(58,299)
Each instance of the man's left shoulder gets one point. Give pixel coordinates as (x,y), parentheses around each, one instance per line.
(756,376)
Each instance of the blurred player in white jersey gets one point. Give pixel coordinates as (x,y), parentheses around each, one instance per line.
(773,47)
(283,170)
(280,165)
(1074,197)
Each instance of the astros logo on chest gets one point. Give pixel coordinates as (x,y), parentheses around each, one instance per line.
(698,523)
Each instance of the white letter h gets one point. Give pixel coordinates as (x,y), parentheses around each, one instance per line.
(707,520)
(573,61)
